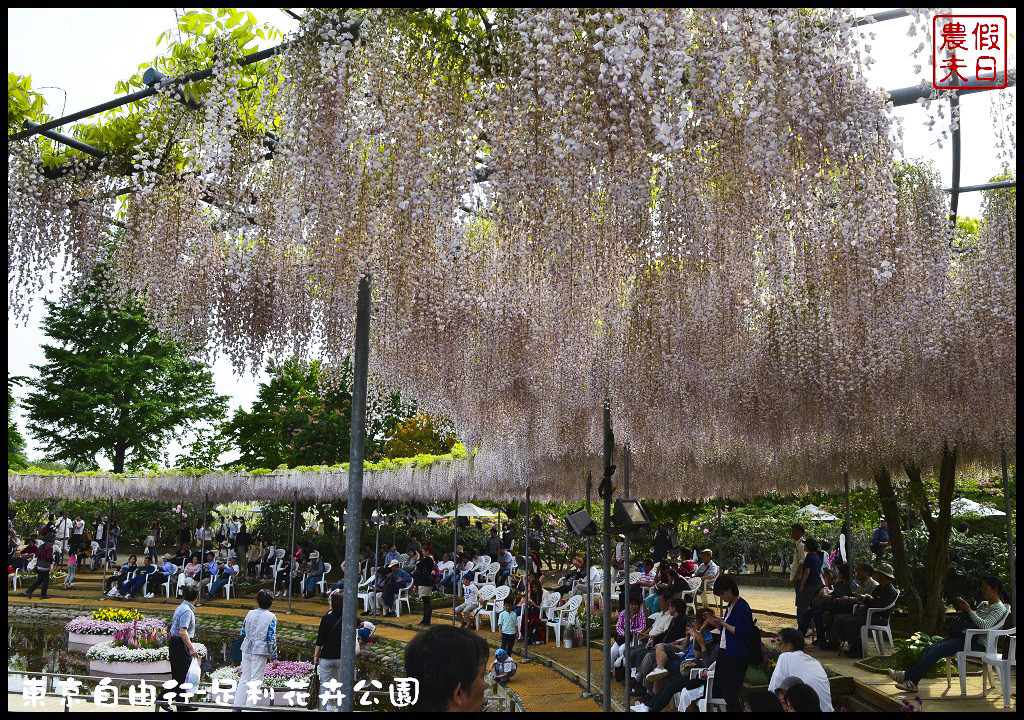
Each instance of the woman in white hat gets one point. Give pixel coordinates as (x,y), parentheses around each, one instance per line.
(314,573)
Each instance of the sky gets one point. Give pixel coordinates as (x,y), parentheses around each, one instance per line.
(76,55)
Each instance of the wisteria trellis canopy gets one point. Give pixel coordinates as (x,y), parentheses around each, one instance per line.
(697,214)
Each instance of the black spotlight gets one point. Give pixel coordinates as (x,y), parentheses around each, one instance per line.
(581,523)
(630,516)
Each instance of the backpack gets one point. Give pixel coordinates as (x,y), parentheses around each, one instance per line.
(756,650)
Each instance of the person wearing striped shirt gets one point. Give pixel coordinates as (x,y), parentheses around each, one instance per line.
(989,614)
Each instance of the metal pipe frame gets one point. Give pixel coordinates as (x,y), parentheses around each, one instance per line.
(457,578)
(606,583)
(526,562)
(291,558)
(590,594)
(626,457)
(355,490)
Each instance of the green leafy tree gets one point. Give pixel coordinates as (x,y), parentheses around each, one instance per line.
(15,442)
(420,435)
(112,386)
(303,416)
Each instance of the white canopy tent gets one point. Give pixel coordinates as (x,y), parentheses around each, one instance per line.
(471,510)
(966,506)
(813,512)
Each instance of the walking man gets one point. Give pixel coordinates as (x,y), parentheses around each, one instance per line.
(44,561)
(179,638)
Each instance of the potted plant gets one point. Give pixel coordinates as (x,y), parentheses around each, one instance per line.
(134,651)
(103,624)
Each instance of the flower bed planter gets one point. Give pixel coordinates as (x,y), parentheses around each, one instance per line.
(106,659)
(130,669)
(88,639)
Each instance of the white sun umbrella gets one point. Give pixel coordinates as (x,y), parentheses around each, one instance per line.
(471,510)
(813,512)
(966,506)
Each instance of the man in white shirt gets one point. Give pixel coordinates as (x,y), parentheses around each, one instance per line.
(707,567)
(794,662)
(797,568)
(63,532)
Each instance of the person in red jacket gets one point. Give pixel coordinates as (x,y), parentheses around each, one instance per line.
(44,561)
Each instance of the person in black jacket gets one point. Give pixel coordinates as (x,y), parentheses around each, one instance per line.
(662,543)
(423,576)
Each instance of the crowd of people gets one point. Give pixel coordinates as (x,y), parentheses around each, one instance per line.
(671,651)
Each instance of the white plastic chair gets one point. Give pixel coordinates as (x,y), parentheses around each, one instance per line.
(279,563)
(1002,665)
(365,592)
(180,579)
(483,560)
(708,703)
(494,606)
(563,617)
(402,596)
(171,580)
(969,653)
(322,582)
(876,630)
(690,596)
(488,573)
(483,596)
(14,578)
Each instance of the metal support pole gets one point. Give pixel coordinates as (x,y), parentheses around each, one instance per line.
(106,553)
(202,550)
(625,566)
(849,529)
(606,582)
(590,594)
(291,558)
(1010,547)
(455,549)
(954,197)
(376,560)
(355,490)
(723,566)
(526,561)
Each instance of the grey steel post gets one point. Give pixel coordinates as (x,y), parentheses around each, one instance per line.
(455,549)
(376,555)
(849,529)
(355,490)
(605,491)
(526,562)
(590,595)
(202,550)
(291,558)
(106,553)
(721,559)
(625,566)
(1010,549)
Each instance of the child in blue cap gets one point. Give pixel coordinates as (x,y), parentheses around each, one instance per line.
(503,667)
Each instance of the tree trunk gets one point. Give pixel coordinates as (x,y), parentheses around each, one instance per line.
(936,567)
(120,449)
(336,537)
(904,581)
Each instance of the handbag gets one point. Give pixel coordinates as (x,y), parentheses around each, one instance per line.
(313,701)
(959,624)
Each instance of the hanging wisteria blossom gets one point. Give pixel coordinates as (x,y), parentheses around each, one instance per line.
(696,215)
